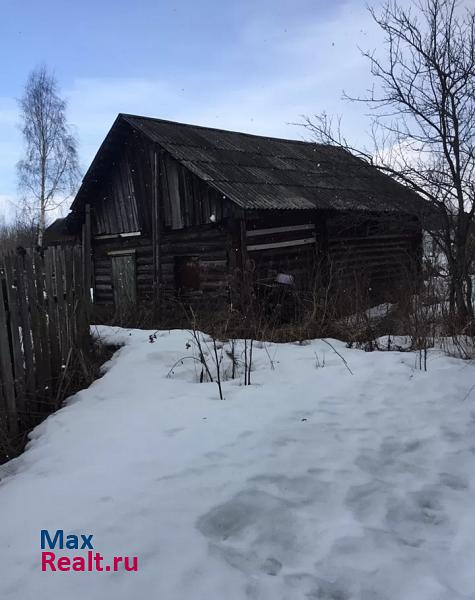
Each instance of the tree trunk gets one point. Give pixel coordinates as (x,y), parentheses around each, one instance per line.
(42,215)
(41,225)
(469,295)
(463,307)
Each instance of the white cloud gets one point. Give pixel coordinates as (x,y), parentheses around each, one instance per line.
(295,69)
(298,71)
(315,70)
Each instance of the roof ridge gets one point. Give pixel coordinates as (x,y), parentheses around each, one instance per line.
(252,135)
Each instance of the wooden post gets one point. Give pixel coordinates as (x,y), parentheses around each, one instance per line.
(87,257)
(322,250)
(244,261)
(156,233)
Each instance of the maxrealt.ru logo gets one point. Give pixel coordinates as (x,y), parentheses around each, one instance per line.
(89,560)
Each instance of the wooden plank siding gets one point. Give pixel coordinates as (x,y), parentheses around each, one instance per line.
(116,205)
(282,243)
(187,201)
(178,215)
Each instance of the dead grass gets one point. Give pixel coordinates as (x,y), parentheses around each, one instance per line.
(82,370)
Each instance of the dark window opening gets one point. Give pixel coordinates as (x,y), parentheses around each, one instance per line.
(187,273)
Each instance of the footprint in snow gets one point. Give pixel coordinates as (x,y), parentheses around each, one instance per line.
(174,431)
(453,481)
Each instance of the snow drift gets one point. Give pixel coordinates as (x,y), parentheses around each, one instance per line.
(311,483)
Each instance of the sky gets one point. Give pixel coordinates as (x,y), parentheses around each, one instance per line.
(248,65)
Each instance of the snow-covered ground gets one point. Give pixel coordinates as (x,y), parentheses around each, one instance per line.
(310,483)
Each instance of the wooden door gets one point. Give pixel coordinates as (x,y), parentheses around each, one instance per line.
(123,280)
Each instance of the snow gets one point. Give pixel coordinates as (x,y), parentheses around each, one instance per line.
(311,483)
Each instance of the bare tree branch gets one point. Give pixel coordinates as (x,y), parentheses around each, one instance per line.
(423,122)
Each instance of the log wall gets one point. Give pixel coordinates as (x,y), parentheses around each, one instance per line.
(210,245)
(282,242)
(379,252)
(142,250)
(189,241)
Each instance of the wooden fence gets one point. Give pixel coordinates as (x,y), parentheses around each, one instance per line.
(44,308)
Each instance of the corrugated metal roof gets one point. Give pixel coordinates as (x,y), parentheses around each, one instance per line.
(270,173)
(257,172)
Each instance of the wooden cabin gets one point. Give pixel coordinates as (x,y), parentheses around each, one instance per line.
(169,210)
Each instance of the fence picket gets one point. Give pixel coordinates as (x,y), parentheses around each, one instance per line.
(43,326)
(52,308)
(6,368)
(25,327)
(35,327)
(15,335)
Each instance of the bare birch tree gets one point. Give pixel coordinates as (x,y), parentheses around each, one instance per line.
(423,122)
(49,172)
